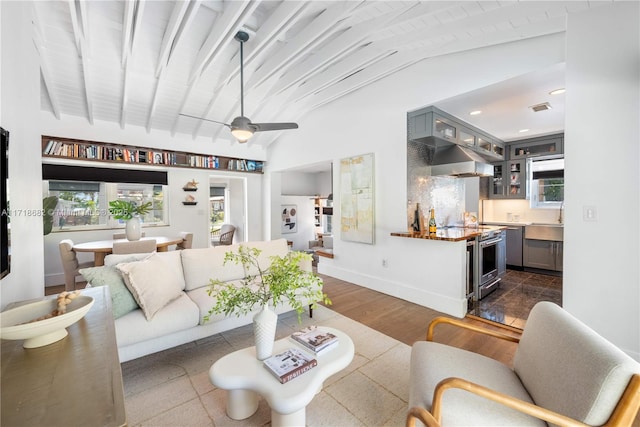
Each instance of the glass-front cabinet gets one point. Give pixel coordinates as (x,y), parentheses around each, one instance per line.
(541,146)
(509,180)
(433,122)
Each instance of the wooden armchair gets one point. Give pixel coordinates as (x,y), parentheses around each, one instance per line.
(564,374)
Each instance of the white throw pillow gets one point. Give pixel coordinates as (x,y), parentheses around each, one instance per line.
(152,283)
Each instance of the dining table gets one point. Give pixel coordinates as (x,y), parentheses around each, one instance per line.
(102,248)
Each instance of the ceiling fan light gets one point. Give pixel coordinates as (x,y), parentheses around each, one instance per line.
(242,135)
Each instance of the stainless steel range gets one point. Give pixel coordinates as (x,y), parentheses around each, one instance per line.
(492,261)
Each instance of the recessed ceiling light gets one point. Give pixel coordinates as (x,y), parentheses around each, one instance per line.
(475,112)
(557,91)
(523,130)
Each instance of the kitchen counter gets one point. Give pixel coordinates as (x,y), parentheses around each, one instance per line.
(450,234)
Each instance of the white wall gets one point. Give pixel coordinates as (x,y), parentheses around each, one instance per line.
(601,258)
(373,119)
(20,87)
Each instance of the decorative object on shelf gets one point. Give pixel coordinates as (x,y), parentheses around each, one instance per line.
(289,219)
(283,282)
(129,211)
(189,200)
(44,322)
(191,186)
(356,199)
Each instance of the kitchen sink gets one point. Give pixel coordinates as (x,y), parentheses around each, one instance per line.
(553,232)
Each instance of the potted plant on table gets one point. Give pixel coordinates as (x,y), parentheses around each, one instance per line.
(129,211)
(284,281)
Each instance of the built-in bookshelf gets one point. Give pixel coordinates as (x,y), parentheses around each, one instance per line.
(77,149)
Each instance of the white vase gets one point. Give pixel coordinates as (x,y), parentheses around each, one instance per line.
(133,229)
(264,331)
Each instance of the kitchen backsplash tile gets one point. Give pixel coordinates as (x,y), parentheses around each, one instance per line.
(444,194)
(516,211)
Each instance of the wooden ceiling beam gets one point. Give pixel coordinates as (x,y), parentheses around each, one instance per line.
(171,31)
(77,17)
(317,31)
(38,41)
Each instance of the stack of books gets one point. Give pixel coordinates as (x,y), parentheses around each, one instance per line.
(289,364)
(315,339)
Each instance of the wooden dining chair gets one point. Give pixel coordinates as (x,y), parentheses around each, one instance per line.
(134,247)
(187,240)
(70,264)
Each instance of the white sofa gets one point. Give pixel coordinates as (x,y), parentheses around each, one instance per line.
(183,277)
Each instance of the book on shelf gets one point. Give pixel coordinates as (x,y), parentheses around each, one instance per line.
(315,339)
(289,364)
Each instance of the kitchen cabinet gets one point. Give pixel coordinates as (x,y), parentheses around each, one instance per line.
(543,247)
(514,245)
(510,180)
(433,122)
(540,146)
(543,254)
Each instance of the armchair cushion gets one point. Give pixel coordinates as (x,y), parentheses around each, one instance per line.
(569,368)
(432,362)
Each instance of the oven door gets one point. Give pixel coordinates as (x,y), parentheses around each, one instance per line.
(488,260)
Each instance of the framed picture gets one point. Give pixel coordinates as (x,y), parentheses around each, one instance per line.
(356,199)
(289,219)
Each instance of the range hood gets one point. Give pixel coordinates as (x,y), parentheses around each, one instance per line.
(454,160)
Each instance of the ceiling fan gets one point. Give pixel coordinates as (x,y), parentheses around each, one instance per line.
(241,127)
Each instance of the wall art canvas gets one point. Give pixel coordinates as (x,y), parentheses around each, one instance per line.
(357,199)
(289,219)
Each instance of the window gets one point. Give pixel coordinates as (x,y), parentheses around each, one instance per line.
(85,205)
(547,183)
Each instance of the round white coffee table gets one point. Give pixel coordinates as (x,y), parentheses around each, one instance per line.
(244,377)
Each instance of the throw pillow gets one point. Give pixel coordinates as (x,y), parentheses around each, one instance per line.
(122,302)
(152,283)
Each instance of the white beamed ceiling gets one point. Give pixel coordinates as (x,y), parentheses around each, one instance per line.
(142,63)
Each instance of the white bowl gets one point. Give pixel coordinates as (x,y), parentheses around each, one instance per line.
(41,332)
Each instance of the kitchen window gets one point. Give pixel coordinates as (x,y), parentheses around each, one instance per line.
(547,183)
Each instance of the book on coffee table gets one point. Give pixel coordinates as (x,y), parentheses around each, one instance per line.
(315,339)
(289,364)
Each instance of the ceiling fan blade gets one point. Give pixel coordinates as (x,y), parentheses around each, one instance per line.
(206,120)
(261,127)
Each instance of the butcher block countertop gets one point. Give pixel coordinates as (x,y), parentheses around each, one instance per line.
(449,234)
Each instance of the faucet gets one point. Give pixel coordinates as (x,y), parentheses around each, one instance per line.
(560,212)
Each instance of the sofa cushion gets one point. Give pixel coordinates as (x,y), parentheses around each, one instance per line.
(153,282)
(268,249)
(432,362)
(122,302)
(114,259)
(203,264)
(172,259)
(201,298)
(569,368)
(180,314)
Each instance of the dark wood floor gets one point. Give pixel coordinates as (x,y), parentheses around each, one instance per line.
(407,322)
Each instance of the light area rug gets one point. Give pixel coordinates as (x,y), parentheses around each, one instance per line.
(172,387)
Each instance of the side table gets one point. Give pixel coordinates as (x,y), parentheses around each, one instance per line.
(245,377)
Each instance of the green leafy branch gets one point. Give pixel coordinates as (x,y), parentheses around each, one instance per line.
(283,282)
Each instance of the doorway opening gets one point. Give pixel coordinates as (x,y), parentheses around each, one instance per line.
(227,205)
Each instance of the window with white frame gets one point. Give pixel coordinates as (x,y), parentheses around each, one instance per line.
(84,194)
(85,205)
(547,183)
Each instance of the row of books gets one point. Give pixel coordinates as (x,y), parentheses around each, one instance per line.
(294,362)
(127,155)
